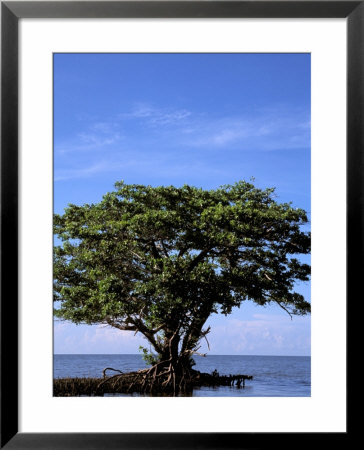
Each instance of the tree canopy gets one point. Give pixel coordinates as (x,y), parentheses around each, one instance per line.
(161,260)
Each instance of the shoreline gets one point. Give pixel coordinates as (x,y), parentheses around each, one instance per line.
(134,382)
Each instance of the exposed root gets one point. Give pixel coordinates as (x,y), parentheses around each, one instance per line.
(110,368)
(157,380)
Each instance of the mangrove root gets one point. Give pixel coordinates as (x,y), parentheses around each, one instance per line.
(161,379)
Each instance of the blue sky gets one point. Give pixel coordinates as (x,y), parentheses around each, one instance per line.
(200,119)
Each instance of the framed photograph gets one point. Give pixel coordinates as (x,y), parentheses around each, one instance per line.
(184,177)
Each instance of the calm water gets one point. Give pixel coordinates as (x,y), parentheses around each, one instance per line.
(273,376)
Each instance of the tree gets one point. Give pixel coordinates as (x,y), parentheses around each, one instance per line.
(160,260)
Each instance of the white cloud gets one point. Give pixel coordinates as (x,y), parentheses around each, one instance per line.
(167,128)
(156,116)
(84,172)
(69,338)
(94,141)
(279,128)
(104,127)
(264,132)
(96,136)
(264,335)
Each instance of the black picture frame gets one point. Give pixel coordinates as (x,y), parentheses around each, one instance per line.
(11,12)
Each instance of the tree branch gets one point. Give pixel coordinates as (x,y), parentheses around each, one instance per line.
(155,330)
(149,334)
(204,333)
(198,258)
(182,251)
(155,251)
(285,309)
(156,254)
(164,249)
(123,327)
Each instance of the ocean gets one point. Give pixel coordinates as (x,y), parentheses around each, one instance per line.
(273,376)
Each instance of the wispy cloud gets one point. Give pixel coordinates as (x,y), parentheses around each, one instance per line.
(276,128)
(264,334)
(184,144)
(266,130)
(260,132)
(156,115)
(104,127)
(96,136)
(92,140)
(85,172)
(69,338)
(142,164)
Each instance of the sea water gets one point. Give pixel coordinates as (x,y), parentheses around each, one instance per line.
(273,376)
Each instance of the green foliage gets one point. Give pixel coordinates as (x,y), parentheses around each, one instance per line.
(148,357)
(161,260)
